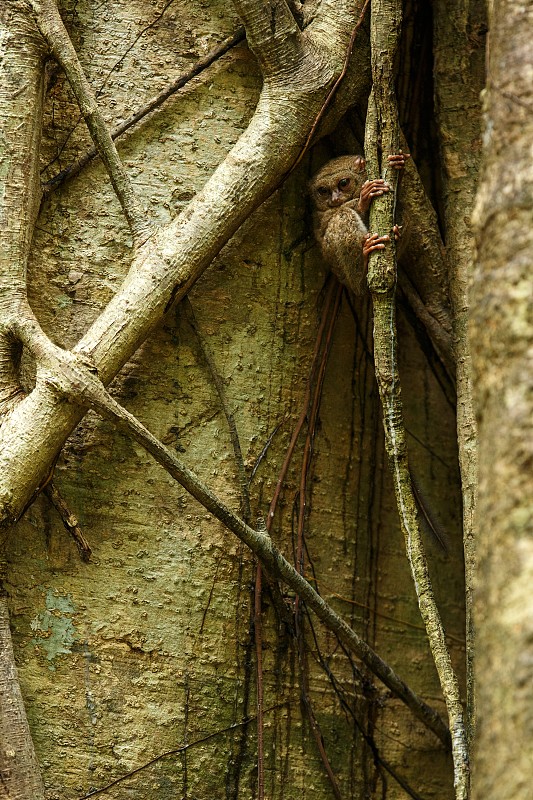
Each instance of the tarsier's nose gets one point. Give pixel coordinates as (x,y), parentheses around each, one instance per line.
(335,197)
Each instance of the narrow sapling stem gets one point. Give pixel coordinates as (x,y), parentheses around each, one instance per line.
(382,127)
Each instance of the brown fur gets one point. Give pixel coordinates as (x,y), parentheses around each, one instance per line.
(338,225)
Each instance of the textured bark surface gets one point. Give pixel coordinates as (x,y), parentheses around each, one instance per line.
(149,646)
(502,345)
(382,128)
(20,777)
(459,49)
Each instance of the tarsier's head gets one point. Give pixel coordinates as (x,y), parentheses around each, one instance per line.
(337,182)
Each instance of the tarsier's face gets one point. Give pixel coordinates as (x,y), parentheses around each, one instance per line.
(339,181)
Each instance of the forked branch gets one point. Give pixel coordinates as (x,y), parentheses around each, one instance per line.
(167,265)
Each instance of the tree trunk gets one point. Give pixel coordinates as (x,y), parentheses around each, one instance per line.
(139,665)
(501,336)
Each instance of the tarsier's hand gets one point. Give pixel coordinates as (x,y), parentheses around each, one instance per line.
(370,190)
(398,160)
(371,242)
(378,187)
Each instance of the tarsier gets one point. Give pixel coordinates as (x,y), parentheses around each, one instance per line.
(342,196)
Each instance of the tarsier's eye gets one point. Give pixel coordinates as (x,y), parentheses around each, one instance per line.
(343,183)
(323,190)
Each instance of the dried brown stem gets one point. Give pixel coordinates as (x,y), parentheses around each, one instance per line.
(68,519)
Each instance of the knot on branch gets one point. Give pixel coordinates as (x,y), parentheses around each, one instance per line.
(381,278)
(72,375)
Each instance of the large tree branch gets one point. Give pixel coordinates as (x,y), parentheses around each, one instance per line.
(272,34)
(73,378)
(21,91)
(172,260)
(21,95)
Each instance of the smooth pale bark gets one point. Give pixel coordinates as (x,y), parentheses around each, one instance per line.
(19,771)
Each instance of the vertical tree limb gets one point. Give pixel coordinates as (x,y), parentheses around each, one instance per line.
(21,92)
(459,73)
(383,138)
(21,106)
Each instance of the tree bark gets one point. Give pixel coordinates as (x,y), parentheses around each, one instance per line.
(296,85)
(460,34)
(150,641)
(20,778)
(501,338)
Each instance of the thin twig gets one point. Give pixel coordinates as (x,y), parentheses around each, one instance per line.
(52,28)
(312,415)
(258,634)
(264,451)
(321,585)
(175,751)
(246,511)
(438,335)
(305,404)
(306,701)
(379,761)
(230,420)
(429,518)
